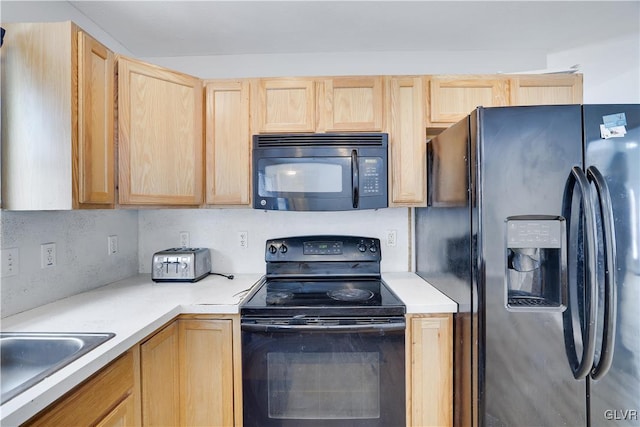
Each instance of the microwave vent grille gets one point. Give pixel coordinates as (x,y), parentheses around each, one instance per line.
(320,139)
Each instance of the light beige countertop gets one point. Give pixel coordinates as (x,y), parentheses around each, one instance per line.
(135,307)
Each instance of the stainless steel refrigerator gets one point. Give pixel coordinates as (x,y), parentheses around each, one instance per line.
(532,228)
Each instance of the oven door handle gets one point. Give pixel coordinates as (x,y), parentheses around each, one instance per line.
(372,328)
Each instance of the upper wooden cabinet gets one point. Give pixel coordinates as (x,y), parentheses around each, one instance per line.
(160,114)
(57,118)
(96,153)
(352,104)
(332,104)
(546,89)
(228,143)
(284,105)
(453,97)
(407,169)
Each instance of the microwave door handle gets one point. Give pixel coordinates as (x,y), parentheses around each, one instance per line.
(355,178)
(610,267)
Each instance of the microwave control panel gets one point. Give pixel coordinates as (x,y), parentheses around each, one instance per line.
(371,174)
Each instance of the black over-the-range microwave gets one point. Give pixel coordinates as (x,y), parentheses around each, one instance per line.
(320,172)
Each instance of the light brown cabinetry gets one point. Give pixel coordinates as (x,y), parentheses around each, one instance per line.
(206,372)
(189,375)
(331,104)
(547,89)
(161,153)
(453,97)
(284,105)
(110,398)
(352,104)
(407,141)
(96,151)
(228,143)
(429,370)
(57,119)
(160,378)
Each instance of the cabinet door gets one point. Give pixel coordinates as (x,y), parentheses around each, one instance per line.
(228,143)
(121,416)
(453,97)
(206,372)
(407,142)
(160,135)
(430,370)
(285,105)
(107,397)
(96,160)
(353,104)
(160,381)
(545,90)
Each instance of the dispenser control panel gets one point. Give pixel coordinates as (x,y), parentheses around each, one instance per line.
(534,233)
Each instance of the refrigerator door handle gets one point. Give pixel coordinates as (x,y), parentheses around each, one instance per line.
(610,300)
(582,368)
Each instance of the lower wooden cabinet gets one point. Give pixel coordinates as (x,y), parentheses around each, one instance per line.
(109,398)
(429,370)
(188,374)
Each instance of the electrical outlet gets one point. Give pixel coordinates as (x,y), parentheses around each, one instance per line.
(184,239)
(243,239)
(10,262)
(391,237)
(48,255)
(112,245)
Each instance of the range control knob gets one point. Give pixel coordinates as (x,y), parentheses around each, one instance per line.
(373,248)
(283,249)
(362,247)
(272,249)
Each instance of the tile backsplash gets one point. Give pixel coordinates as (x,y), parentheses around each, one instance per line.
(217,229)
(83,262)
(82,259)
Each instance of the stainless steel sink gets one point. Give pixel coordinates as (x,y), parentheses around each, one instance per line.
(28,358)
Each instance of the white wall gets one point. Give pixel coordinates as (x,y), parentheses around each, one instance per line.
(81,245)
(611,69)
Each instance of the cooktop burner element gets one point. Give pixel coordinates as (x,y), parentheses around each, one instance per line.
(323,276)
(350,294)
(278,297)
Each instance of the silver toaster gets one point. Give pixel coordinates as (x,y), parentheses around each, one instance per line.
(180,265)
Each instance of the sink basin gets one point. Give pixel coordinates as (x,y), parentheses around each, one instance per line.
(28,358)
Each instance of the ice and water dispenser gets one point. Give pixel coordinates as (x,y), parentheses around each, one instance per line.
(535,263)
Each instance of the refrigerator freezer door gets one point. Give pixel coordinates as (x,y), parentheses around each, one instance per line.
(612,142)
(525,157)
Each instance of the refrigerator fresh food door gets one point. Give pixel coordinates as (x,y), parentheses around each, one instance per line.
(525,155)
(612,142)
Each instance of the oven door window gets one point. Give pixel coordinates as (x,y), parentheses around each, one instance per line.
(323,379)
(323,386)
(288,177)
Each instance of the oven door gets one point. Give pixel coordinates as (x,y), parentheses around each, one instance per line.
(323,375)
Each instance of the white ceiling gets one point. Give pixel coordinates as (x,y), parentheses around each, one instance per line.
(195,28)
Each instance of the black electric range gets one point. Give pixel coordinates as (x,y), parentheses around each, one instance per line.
(322,276)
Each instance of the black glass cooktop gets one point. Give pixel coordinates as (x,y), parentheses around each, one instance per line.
(322,297)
